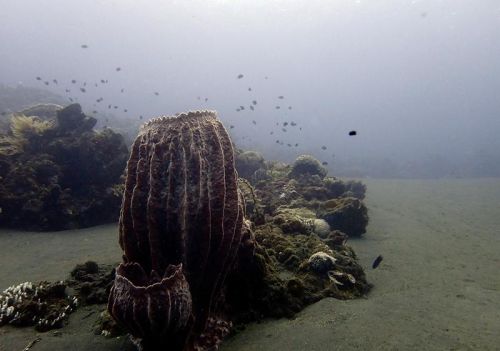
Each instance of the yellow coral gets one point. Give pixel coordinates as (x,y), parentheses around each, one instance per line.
(23,126)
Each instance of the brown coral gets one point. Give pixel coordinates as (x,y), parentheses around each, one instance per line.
(180,228)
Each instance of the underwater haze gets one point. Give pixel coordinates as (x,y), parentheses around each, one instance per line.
(350,148)
(418,80)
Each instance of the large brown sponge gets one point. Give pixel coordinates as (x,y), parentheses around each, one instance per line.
(180,229)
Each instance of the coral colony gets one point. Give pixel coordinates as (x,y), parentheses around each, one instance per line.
(43,305)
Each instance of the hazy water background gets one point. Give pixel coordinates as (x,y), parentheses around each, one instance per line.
(418,80)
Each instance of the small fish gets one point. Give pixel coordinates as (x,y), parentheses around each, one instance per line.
(251,108)
(70,99)
(352,132)
(277,107)
(206,99)
(289,107)
(67,90)
(94,112)
(285,124)
(115,107)
(281,97)
(254,102)
(95,84)
(103,81)
(323,147)
(140,117)
(283,129)
(377,261)
(83,90)
(73,81)
(46,83)
(238,110)
(249,89)
(324,163)
(109,106)
(231,126)
(271,133)
(293,124)
(254,122)
(122,90)
(84,46)
(296,144)
(277,141)
(125,110)
(55,81)
(242,107)
(199,98)
(240,76)
(157,93)
(265,77)
(38,78)
(118,69)
(289,145)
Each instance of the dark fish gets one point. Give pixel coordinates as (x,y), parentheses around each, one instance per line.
(83,90)
(289,107)
(84,46)
(95,84)
(121,91)
(118,69)
(323,147)
(115,107)
(285,124)
(242,107)
(199,98)
(73,81)
(125,110)
(281,97)
(94,112)
(109,106)
(271,133)
(140,117)
(55,81)
(293,124)
(283,129)
(38,78)
(103,81)
(157,93)
(231,126)
(324,163)
(238,110)
(277,141)
(254,122)
(46,83)
(277,107)
(352,132)
(289,145)
(251,107)
(265,77)
(377,261)
(70,99)
(240,76)
(67,90)
(249,89)
(84,84)
(254,102)
(296,144)
(206,99)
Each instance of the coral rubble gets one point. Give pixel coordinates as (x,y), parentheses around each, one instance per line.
(59,173)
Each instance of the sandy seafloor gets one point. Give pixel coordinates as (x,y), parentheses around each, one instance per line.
(438,287)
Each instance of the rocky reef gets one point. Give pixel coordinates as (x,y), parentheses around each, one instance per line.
(56,172)
(296,195)
(206,252)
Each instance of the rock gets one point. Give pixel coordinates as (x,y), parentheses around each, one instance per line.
(248,162)
(348,215)
(307,165)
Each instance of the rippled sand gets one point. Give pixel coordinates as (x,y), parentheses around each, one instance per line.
(438,287)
